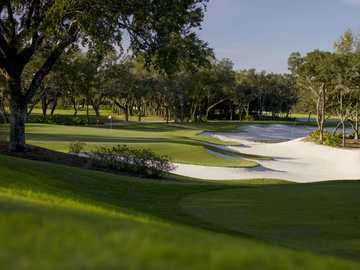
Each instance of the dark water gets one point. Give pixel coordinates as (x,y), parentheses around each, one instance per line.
(273,133)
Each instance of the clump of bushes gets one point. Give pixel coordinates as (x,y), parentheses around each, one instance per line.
(330,138)
(62,119)
(77,147)
(141,162)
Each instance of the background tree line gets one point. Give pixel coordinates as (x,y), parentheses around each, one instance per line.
(89,80)
(329,83)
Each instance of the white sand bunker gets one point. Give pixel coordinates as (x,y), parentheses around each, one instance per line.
(294,160)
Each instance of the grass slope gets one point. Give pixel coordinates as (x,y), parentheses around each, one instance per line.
(55,217)
(324,218)
(183,144)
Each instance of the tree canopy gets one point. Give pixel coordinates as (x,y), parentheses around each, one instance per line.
(163,31)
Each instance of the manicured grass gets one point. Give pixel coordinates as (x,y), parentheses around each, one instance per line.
(324,218)
(182,143)
(55,217)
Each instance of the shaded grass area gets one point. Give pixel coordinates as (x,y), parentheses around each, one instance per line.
(183,144)
(56,217)
(323,218)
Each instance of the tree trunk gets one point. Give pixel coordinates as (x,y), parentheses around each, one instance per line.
(97,111)
(194,113)
(167,115)
(209,108)
(18,110)
(231,113)
(343,133)
(357,121)
(320,107)
(73,101)
(207,112)
(87,112)
(127,112)
(44,106)
(247,111)
(53,108)
(29,111)
(182,117)
(139,112)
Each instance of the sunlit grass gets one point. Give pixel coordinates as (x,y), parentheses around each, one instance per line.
(56,217)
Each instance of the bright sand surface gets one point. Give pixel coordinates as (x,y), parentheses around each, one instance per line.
(294,160)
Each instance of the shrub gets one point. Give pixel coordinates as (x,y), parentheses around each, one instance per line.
(330,138)
(249,118)
(140,162)
(76,147)
(62,119)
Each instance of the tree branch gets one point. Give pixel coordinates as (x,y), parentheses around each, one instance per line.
(34,4)
(217,103)
(46,67)
(29,51)
(3,27)
(11,19)
(4,46)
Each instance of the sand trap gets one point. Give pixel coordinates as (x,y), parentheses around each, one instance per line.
(295,160)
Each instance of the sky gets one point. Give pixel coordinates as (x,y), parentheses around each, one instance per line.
(261,34)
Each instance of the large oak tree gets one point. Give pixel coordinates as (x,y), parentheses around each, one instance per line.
(162,29)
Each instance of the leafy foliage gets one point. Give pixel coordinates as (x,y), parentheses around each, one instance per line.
(163,31)
(140,162)
(330,138)
(77,147)
(60,119)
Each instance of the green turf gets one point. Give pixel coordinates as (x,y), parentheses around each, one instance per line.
(55,217)
(182,143)
(324,218)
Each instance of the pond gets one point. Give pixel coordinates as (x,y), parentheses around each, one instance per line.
(271,133)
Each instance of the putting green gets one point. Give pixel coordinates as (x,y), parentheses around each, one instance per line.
(324,218)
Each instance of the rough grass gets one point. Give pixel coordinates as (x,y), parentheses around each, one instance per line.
(56,217)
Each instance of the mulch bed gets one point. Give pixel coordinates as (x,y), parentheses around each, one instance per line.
(43,154)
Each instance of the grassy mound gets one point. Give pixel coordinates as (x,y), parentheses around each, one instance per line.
(57,217)
(323,218)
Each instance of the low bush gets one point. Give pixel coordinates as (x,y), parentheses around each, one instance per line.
(330,138)
(141,162)
(77,147)
(249,118)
